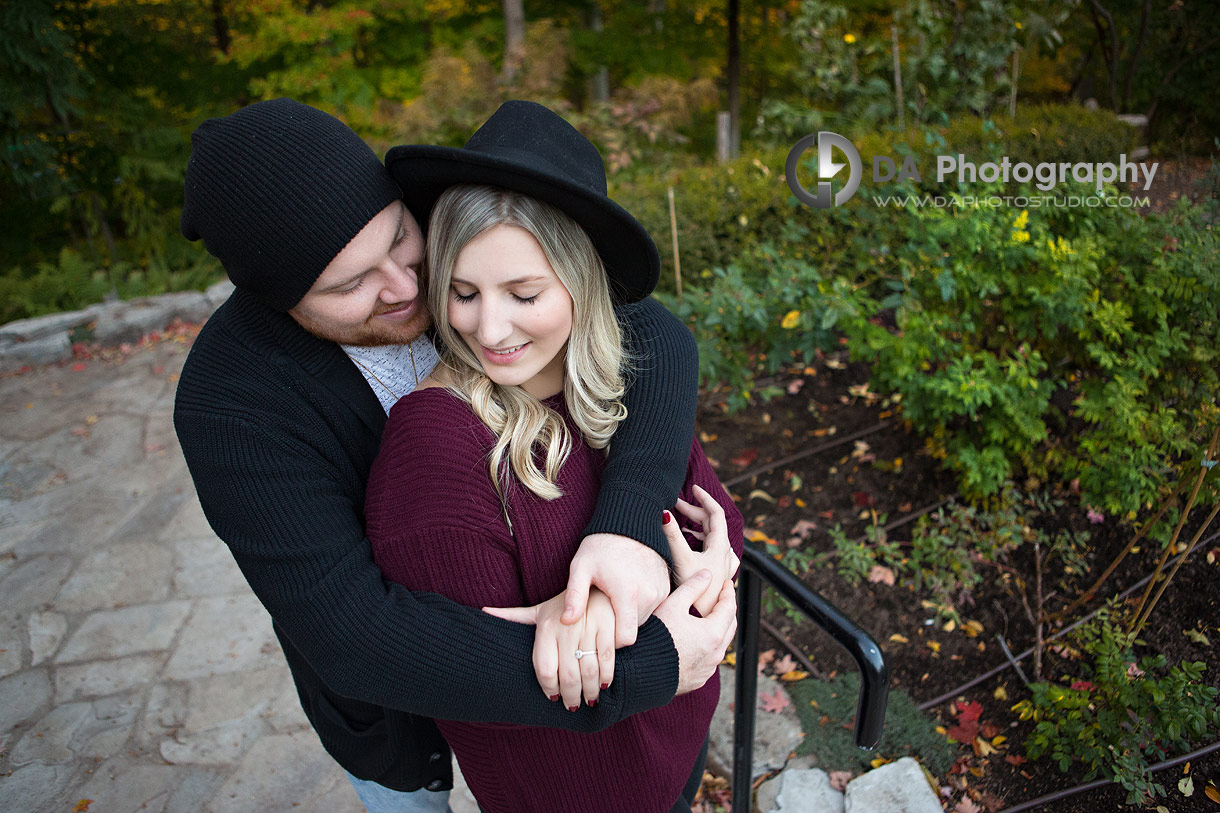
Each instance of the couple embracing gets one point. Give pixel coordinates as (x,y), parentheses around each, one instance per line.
(448,439)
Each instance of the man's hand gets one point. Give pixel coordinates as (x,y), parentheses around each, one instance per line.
(701,642)
(560,673)
(632,575)
(717,554)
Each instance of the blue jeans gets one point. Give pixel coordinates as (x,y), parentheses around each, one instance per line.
(380,799)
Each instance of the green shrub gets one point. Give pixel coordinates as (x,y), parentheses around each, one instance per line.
(1074,343)
(722,210)
(1039,133)
(760,313)
(1122,716)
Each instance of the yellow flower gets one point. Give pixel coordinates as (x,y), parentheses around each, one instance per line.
(849,38)
(1020,236)
(1019,26)
(790,320)
(1022,220)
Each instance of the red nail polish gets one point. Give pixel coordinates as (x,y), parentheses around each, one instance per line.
(592,704)
(553,698)
(605,686)
(666,517)
(573,708)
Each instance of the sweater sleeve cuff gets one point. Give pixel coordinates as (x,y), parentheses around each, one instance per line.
(632,514)
(652,675)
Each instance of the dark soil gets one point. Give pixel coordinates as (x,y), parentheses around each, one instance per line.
(887,475)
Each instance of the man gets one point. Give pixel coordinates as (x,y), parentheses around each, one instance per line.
(279,412)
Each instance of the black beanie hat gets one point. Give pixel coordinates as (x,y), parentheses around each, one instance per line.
(276,191)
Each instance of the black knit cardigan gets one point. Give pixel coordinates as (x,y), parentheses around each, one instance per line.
(279,431)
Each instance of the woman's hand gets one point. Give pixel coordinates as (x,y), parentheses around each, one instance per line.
(560,673)
(717,555)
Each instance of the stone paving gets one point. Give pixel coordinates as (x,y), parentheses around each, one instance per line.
(137,669)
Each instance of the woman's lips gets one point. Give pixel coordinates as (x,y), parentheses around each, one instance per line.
(496,357)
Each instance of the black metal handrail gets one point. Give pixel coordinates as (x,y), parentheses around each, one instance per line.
(758,567)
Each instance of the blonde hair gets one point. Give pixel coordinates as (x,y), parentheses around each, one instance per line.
(594,367)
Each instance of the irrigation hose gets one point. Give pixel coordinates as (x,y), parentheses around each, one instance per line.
(936,701)
(1061,794)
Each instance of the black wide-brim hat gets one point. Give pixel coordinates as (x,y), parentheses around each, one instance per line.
(528,148)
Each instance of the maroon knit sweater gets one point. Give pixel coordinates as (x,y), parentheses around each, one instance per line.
(436,524)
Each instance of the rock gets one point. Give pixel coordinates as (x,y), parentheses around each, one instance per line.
(46,632)
(1134,119)
(128,321)
(219,292)
(41,327)
(277,774)
(230,634)
(118,575)
(105,677)
(12,646)
(776,735)
(45,350)
(899,787)
(22,697)
(129,631)
(35,582)
(35,787)
(800,790)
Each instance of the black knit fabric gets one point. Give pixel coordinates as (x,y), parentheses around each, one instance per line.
(280,430)
(276,190)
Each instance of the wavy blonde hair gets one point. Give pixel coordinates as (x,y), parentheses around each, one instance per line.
(595,362)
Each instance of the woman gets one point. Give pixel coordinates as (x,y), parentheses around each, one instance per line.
(515,424)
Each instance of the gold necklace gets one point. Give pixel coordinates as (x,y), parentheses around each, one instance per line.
(373,375)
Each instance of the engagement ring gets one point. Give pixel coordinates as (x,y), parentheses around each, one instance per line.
(580,653)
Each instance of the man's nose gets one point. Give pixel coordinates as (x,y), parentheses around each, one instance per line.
(401,283)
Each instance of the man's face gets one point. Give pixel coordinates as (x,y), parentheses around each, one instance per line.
(369,293)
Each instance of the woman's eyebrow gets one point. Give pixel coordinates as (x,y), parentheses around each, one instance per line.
(506,283)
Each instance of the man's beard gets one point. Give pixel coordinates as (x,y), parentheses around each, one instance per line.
(373,333)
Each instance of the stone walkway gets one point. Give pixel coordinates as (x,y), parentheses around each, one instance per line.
(137,669)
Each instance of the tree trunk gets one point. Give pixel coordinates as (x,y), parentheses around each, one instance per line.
(220,26)
(1135,55)
(514,40)
(601,79)
(734,76)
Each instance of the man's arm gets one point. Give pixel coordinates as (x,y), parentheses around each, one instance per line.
(648,455)
(644,473)
(281,507)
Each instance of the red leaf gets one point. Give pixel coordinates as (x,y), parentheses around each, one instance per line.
(745,458)
(862,499)
(1015,759)
(967,727)
(79,367)
(82,806)
(774,701)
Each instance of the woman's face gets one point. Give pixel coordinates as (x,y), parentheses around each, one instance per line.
(509,306)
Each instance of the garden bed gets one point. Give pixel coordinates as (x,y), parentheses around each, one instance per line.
(885,476)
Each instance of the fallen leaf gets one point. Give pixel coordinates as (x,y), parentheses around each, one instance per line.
(1000,693)
(775,701)
(950,625)
(730,659)
(760,494)
(704,437)
(795,386)
(782,665)
(880,574)
(972,628)
(794,676)
(744,458)
(1015,759)
(982,748)
(755,535)
(967,805)
(879,761)
(82,806)
(934,646)
(967,727)
(862,499)
(1197,637)
(1187,786)
(839,780)
(827,514)
(1134,671)
(803,528)
(80,367)
(764,658)
(899,639)
(1212,792)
